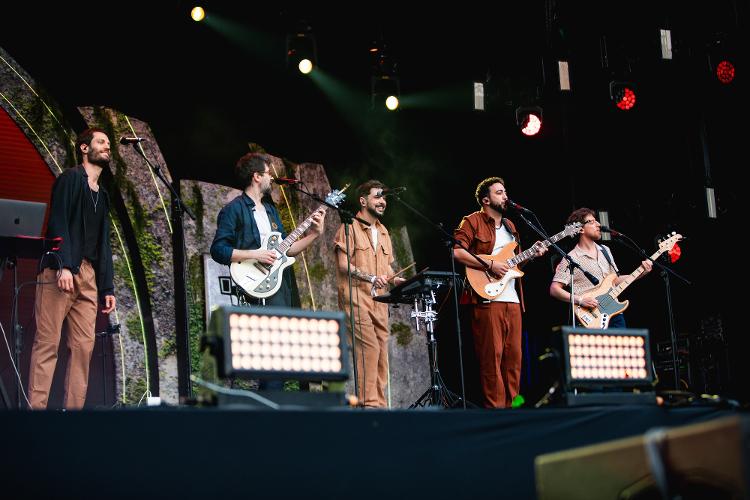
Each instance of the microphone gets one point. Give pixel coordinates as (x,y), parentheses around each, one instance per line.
(131,140)
(387,191)
(285,181)
(605,229)
(518,207)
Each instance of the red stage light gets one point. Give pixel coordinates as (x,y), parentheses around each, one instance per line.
(725,72)
(529,120)
(674,253)
(625,99)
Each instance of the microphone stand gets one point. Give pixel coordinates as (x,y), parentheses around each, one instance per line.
(572,264)
(178,208)
(665,272)
(346,219)
(451,242)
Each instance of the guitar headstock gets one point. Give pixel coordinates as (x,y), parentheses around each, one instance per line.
(336,196)
(666,243)
(572,228)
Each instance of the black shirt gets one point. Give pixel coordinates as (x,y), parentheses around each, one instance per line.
(93,211)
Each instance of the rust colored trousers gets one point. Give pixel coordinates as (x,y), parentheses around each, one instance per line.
(78,310)
(497,342)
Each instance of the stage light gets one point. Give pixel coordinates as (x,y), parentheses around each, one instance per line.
(385,91)
(301,48)
(725,72)
(198,14)
(385,86)
(278,343)
(605,366)
(529,119)
(597,360)
(305,66)
(721,60)
(622,94)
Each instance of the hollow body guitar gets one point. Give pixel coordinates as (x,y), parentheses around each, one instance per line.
(606,293)
(488,286)
(260,280)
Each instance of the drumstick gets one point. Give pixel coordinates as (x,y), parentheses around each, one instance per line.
(402,270)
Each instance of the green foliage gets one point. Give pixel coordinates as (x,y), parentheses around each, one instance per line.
(133,324)
(134,389)
(168,347)
(317,272)
(196,308)
(403,334)
(151,253)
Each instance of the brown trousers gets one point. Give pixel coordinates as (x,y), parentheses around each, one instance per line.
(497,343)
(371,353)
(52,308)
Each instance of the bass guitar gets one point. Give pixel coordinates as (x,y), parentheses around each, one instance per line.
(606,293)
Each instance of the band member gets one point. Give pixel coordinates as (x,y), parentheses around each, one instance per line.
(77,276)
(370,258)
(246,220)
(496,324)
(594,258)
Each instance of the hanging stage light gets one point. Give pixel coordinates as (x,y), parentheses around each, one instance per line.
(622,94)
(721,58)
(198,14)
(529,119)
(301,49)
(385,86)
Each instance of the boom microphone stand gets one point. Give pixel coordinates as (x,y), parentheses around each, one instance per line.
(451,242)
(346,219)
(178,208)
(665,272)
(572,264)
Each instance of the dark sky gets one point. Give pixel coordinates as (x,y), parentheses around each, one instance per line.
(206,95)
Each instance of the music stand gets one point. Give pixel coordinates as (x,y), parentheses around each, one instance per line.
(419,291)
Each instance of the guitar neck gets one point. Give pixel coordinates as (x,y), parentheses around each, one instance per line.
(617,290)
(530,252)
(299,231)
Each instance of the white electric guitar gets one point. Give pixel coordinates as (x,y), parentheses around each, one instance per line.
(263,280)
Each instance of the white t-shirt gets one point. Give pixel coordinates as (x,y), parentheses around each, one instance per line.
(261,219)
(374,233)
(502,238)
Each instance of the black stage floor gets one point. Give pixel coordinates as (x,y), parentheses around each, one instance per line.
(344,453)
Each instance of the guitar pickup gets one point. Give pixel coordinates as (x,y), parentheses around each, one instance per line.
(265,269)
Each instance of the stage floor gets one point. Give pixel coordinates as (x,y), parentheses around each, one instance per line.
(341,453)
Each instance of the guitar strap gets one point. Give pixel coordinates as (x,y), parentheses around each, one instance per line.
(605,250)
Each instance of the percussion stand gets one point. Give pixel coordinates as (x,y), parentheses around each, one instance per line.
(438,394)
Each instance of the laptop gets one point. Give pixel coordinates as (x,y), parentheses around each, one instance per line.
(21,218)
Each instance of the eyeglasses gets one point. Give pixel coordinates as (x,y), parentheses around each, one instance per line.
(593,221)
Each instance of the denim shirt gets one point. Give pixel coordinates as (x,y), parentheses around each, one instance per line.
(236,228)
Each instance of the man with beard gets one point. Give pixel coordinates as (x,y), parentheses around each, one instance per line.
(77,276)
(370,258)
(496,324)
(241,226)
